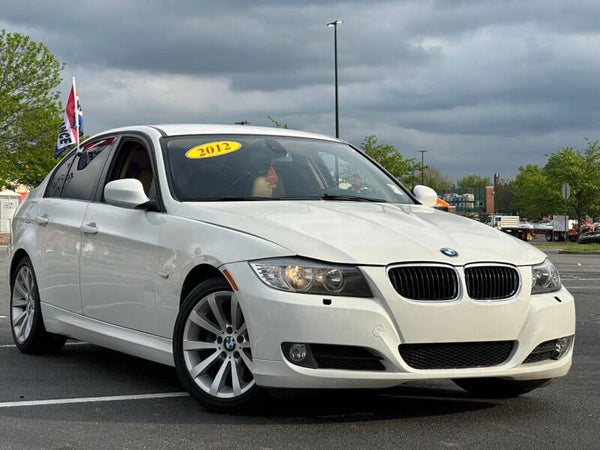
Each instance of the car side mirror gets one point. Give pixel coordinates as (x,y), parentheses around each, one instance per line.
(425,195)
(128,193)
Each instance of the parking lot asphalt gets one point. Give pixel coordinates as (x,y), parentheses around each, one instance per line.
(90,397)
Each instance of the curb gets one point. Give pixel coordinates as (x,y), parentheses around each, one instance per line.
(576,252)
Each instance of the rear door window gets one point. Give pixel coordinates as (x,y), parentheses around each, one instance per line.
(84,173)
(58,177)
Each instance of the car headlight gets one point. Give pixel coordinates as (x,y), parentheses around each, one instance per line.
(312,277)
(545,278)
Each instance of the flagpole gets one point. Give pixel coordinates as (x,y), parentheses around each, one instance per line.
(75,96)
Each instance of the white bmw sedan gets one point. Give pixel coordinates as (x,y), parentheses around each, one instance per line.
(255,258)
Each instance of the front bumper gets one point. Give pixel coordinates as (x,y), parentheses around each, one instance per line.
(384,322)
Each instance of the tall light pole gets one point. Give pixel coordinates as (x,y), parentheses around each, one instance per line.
(422,166)
(334,24)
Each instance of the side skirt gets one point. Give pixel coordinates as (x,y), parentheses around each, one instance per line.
(132,342)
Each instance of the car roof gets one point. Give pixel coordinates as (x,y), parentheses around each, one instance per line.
(191,129)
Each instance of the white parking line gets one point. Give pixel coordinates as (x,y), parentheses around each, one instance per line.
(581,286)
(116,398)
(3,317)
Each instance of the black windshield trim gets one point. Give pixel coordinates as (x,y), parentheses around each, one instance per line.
(357,198)
(308,198)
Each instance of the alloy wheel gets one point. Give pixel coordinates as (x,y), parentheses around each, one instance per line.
(216,346)
(23,304)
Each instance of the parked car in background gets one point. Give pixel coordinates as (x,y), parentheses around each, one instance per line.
(590,238)
(525,224)
(255,258)
(543,226)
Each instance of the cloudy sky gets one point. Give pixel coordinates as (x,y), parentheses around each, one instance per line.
(483,86)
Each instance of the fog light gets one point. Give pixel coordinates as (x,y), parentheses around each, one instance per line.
(297,352)
(562,346)
(550,350)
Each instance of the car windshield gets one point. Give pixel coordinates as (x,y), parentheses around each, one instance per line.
(252,167)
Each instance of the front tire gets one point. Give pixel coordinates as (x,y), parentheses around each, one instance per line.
(498,387)
(27,323)
(211,348)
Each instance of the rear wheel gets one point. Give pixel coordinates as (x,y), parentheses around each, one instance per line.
(498,387)
(27,324)
(212,351)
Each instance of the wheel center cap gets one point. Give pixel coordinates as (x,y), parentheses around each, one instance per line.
(229,343)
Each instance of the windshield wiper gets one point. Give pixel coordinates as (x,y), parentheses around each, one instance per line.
(351,198)
(236,199)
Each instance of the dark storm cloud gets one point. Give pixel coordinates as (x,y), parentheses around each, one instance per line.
(178,37)
(480,83)
(199,38)
(541,101)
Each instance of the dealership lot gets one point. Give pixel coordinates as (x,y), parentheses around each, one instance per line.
(90,397)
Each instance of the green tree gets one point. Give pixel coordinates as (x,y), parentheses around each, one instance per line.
(404,169)
(277,123)
(504,197)
(30,110)
(582,172)
(473,181)
(435,179)
(533,195)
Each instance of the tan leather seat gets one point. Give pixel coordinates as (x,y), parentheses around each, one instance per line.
(146,177)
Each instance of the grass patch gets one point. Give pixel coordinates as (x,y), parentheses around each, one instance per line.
(567,246)
(551,244)
(571,247)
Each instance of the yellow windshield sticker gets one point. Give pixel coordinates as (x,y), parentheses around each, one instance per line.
(212,149)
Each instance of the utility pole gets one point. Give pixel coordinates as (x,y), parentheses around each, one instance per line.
(422,166)
(334,24)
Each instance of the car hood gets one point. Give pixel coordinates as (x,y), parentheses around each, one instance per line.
(365,233)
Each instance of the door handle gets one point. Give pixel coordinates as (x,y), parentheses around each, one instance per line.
(89,228)
(42,220)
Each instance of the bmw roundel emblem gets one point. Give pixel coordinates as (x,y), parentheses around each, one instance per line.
(229,343)
(449,251)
